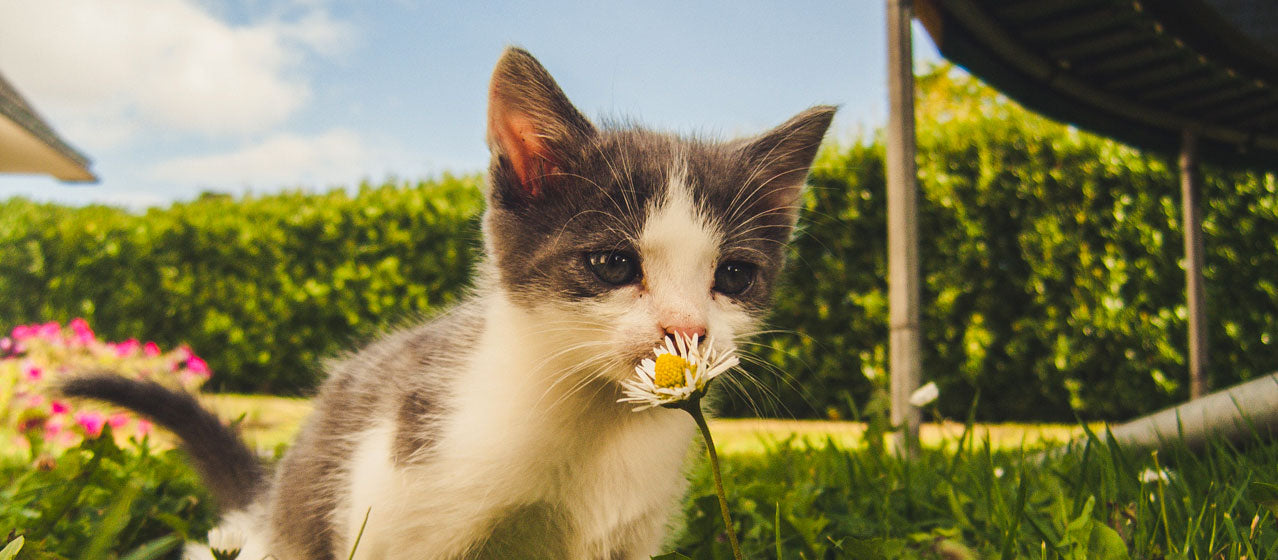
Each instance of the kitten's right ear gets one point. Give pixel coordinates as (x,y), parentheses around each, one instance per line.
(531,125)
(780,158)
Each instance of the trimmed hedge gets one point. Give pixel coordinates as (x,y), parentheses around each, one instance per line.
(1053,284)
(263,287)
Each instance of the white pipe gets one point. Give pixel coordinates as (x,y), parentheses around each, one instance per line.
(1230,413)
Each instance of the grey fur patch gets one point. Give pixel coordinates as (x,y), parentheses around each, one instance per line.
(414,426)
(399,377)
(599,203)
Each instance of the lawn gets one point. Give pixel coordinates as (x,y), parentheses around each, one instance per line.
(797,489)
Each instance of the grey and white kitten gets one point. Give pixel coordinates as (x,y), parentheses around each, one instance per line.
(494,430)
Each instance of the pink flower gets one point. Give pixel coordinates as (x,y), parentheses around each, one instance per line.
(144,427)
(55,431)
(127,348)
(198,366)
(80,327)
(23,332)
(34,401)
(151,349)
(49,331)
(59,407)
(92,423)
(33,373)
(10,347)
(118,420)
(53,427)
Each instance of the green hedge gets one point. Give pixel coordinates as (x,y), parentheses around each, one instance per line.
(1053,284)
(263,287)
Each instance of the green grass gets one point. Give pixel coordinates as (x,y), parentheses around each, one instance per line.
(797,490)
(973,501)
(101,501)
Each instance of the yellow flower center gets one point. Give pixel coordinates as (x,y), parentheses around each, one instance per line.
(669,371)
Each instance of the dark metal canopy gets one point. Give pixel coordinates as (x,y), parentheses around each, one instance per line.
(1140,71)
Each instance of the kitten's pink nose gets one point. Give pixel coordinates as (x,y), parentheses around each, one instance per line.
(688,331)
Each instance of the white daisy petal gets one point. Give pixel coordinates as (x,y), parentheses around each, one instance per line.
(670,347)
(700,363)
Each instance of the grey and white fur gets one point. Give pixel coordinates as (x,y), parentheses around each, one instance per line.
(493,431)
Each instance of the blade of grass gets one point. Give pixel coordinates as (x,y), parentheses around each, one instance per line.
(776,528)
(12,549)
(1009,540)
(360,534)
(113,522)
(154,549)
(64,499)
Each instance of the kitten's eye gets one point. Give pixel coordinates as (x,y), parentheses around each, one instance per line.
(613,267)
(734,277)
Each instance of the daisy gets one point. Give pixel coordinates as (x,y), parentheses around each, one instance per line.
(924,395)
(676,377)
(677,374)
(225,544)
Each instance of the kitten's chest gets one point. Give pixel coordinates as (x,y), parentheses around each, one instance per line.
(584,489)
(631,478)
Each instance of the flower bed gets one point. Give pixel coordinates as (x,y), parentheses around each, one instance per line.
(33,358)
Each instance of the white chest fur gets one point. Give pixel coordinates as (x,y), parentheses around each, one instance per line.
(513,440)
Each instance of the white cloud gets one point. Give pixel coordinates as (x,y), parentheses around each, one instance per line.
(336,157)
(109,71)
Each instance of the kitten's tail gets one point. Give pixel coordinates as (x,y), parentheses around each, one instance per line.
(229,468)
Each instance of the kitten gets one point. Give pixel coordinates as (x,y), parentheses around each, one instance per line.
(494,430)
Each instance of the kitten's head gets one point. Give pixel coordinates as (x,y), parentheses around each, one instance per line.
(610,238)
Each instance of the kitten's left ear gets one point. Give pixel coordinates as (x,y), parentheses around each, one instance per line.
(779,158)
(532,127)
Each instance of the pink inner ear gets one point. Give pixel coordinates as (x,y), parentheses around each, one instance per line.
(524,148)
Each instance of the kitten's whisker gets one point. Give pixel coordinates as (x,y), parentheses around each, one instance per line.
(595,374)
(761,400)
(737,205)
(784,377)
(760,164)
(574,369)
(627,189)
(621,211)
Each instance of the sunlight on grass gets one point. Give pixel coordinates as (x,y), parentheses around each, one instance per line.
(271,421)
(753,436)
(267,421)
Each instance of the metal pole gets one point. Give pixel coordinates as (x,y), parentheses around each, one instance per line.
(902,213)
(1196,301)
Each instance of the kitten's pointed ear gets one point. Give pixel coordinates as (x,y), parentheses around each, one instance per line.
(779,159)
(532,127)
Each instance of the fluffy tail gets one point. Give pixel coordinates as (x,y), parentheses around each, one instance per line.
(229,468)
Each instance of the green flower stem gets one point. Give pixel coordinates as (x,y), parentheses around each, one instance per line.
(693,406)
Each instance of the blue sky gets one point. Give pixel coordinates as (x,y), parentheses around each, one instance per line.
(170,98)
